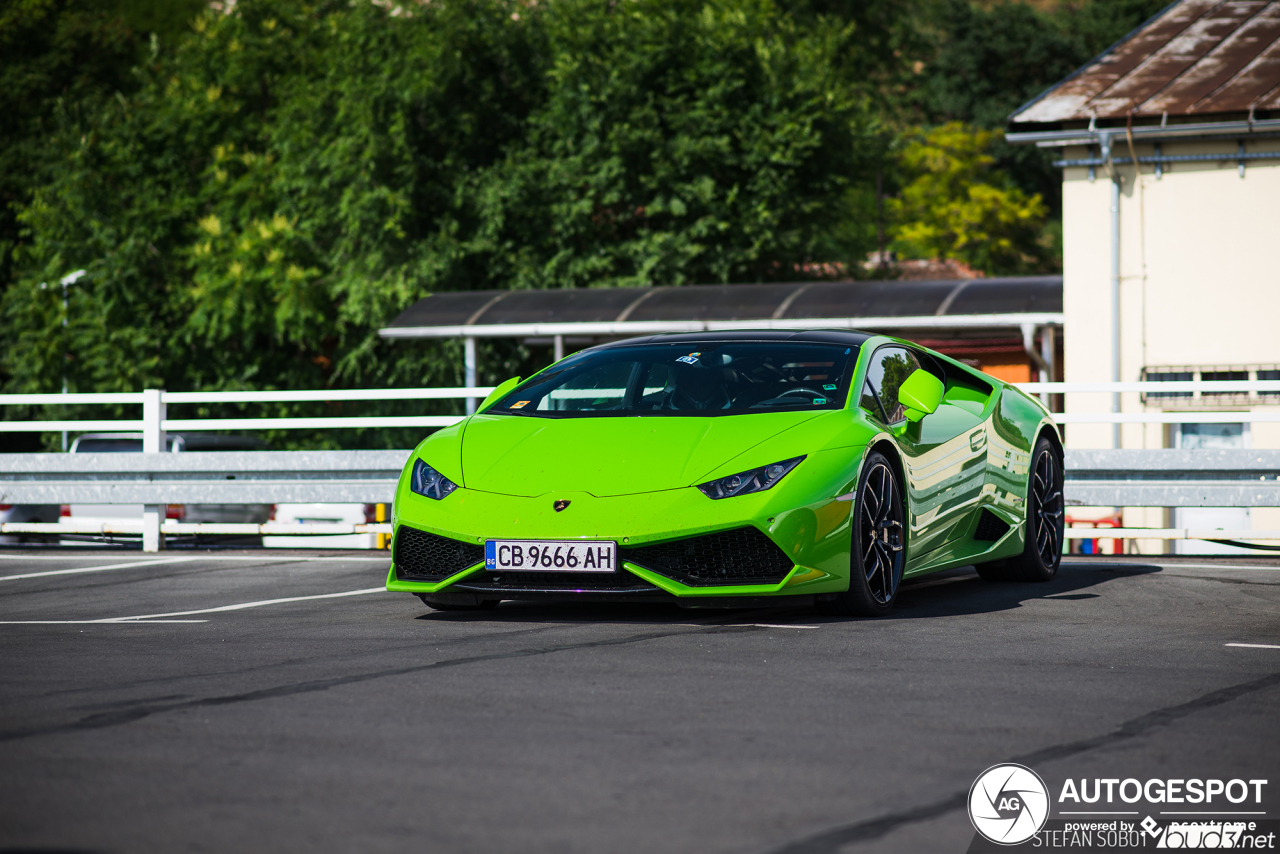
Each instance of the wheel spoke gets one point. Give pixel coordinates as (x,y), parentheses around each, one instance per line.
(871,563)
(870,493)
(886,567)
(886,580)
(887,507)
(1052,545)
(868,548)
(868,520)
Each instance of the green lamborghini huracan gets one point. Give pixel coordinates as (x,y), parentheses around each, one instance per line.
(732,469)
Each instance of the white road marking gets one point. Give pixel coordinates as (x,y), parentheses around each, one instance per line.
(243,605)
(83,622)
(1157,562)
(158,561)
(156,618)
(1255,645)
(1217,566)
(130,565)
(777,626)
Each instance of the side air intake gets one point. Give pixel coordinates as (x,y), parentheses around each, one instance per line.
(422,556)
(740,556)
(990,527)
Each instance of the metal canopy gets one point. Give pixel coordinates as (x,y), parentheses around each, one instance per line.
(1195,58)
(999,303)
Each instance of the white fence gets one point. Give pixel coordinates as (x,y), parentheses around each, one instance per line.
(155,403)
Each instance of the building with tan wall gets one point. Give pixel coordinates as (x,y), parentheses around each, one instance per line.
(1170,148)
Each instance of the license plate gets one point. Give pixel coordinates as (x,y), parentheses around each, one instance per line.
(550,555)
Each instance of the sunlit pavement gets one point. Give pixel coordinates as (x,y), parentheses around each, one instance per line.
(260,701)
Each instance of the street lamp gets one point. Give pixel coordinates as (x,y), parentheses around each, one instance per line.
(66,282)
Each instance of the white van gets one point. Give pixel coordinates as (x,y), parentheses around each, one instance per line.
(118,443)
(131,443)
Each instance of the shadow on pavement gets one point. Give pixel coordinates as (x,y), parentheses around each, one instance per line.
(952,593)
(959,592)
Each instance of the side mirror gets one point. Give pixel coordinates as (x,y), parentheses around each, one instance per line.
(498,393)
(920,394)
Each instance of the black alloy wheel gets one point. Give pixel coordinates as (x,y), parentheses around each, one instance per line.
(1042,550)
(1045,507)
(878,549)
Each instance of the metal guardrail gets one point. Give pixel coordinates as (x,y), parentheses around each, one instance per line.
(1124,478)
(209,477)
(202,477)
(1173,478)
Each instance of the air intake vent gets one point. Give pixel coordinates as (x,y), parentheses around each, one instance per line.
(421,556)
(990,527)
(740,556)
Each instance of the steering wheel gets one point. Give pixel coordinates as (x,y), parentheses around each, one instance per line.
(781,400)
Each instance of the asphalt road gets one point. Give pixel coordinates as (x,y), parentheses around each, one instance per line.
(342,718)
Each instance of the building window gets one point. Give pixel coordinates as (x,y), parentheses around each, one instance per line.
(1272,374)
(1167,377)
(1210,373)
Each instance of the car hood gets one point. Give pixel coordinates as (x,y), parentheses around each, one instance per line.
(530,456)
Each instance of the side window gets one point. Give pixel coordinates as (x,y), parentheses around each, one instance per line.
(890,366)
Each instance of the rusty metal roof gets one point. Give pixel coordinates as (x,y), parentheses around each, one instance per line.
(1196,58)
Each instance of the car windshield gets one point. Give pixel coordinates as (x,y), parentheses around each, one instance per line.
(689,378)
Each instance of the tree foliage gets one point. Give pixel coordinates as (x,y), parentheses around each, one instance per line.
(979,62)
(956,206)
(284,181)
(253,193)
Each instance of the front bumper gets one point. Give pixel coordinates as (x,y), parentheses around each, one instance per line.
(812,541)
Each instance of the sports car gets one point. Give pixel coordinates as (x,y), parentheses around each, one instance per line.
(732,470)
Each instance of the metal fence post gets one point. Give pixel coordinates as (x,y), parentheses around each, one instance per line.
(152,519)
(153,442)
(469,368)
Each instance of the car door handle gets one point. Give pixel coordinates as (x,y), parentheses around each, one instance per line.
(977,440)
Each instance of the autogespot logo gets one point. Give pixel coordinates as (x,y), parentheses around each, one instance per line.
(1008,804)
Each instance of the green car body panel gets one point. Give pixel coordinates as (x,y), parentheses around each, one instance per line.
(634,480)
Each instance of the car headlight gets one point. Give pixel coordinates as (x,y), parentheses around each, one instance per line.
(427,481)
(755,480)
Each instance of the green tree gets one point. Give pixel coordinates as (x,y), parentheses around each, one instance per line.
(980,61)
(58,60)
(286,179)
(955,206)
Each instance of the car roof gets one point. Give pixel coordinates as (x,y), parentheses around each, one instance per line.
(817,336)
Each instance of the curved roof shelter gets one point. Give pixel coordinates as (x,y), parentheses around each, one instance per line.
(601,313)
(960,317)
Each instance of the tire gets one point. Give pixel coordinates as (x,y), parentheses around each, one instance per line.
(484,605)
(877,553)
(1042,551)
